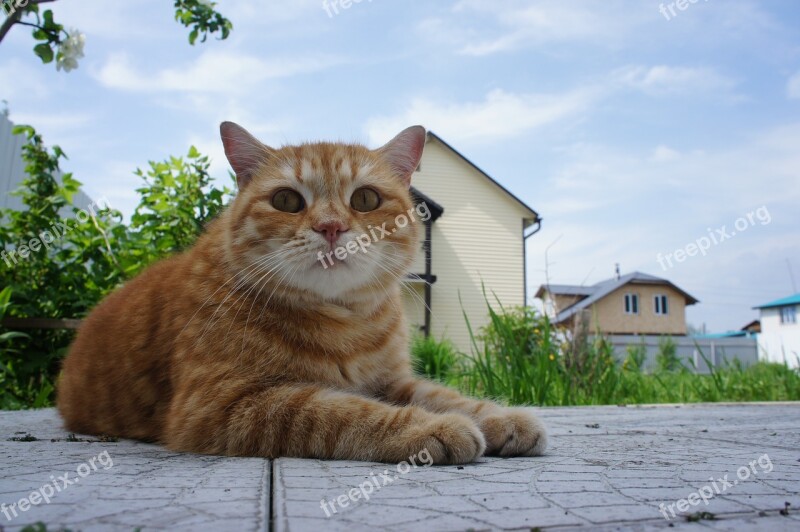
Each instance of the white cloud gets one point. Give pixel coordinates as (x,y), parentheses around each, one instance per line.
(112,180)
(793,87)
(212,72)
(500,115)
(504,114)
(674,80)
(117,21)
(508,25)
(760,170)
(62,122)
(272,12)
(29,82)
(665,154)
(72,131)
(486,27)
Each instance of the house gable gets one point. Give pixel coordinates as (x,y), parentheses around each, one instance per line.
(529,215)
(609,313)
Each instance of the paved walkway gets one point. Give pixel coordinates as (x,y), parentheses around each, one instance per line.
(608,468)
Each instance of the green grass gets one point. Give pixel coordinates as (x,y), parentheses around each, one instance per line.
(435,359)
(520,359)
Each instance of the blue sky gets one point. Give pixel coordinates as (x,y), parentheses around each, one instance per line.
(631,134)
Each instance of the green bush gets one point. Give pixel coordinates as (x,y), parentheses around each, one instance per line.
(635,357)
(434,359)
(512,357)
(667,356)
(88,253)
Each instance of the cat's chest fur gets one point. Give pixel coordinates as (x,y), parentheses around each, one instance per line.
(356,349)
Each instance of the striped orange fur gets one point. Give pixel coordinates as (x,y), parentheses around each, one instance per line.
(248,345)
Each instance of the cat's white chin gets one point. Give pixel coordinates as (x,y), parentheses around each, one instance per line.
(337,279)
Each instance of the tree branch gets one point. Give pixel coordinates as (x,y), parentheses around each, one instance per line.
(8,22)
(14,18)
(108,245)
(31,24)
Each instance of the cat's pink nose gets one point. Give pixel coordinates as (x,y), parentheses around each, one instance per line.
(331,230)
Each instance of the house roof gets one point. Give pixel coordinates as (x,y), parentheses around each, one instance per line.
(533,215)
(603,288)
(783,302)
(436,209)
(752,324)
(565,290)
(728,334)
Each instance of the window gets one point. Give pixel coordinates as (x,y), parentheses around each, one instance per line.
(631,304)
(662,308)
(788,314)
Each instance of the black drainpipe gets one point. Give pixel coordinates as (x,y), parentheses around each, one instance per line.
(428,276)
(525,237)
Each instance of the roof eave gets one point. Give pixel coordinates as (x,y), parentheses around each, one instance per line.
(436,209)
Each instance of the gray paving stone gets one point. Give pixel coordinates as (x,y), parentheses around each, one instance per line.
(147,486)
(614,477)
(611,478)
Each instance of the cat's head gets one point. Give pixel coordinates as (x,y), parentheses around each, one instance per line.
(330,219)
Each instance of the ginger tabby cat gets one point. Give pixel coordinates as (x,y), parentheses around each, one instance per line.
(248,345)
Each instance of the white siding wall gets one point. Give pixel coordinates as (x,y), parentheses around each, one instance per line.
(479,238)
(779,341)
(12,169)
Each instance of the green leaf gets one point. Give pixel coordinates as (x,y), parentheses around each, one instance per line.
(44,52)
(28,131)
(48,19)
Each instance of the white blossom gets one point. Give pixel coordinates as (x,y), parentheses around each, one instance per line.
(70,50)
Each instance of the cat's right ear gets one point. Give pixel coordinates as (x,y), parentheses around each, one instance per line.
(244,152)
(405,151)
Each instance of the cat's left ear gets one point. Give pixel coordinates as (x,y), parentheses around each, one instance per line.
(404,152)
(245,152)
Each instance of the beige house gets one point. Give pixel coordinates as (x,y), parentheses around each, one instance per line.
(636,303)
(475,236)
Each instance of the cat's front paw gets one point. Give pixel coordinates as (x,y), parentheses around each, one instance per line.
(513,432)
(453,439)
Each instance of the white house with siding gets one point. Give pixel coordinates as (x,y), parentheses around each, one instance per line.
(476,236)
(779,339)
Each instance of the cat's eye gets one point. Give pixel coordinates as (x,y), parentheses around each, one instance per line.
(365,199)
(288,200)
